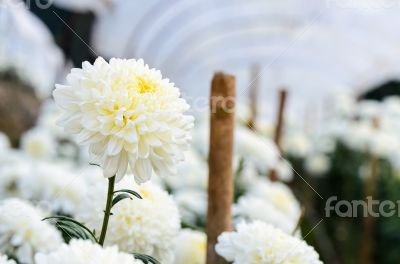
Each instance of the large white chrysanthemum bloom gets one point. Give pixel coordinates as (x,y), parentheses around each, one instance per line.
(127,114)
(270,202)
(5,260)
(259,242)
(85,252)
(190,247)
(146,226)
(23,233)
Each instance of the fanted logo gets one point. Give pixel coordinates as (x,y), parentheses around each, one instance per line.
(361,208)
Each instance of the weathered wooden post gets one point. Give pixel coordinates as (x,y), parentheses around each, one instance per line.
(280,120)
(220,182)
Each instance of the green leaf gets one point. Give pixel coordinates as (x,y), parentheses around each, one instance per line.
(72,228)
(146,259)
(129,192)
(119,198)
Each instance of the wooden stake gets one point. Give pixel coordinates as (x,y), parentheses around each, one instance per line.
(367,245)
(220,182)
(253,95)
(280,120)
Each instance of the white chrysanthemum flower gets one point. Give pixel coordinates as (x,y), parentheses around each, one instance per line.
(391,106)
(145,226)
(192,205)
(193,173)
(297,145)
(384,143)
(25,38)
(53,186)
(271,202)
(84,252)
(49,114)
(127,114)
(23,233)
(259,242)
(38,143)
(11,174)
(284,170)
(49,185)
(190,247)
(317,164)
(368,109)
(5,143)
(256,149)
(5,260)
(358,135)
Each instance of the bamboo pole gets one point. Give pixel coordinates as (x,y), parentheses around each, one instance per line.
(220,184)
(253,95)
(280,120)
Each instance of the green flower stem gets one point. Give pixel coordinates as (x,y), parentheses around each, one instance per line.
(107,211)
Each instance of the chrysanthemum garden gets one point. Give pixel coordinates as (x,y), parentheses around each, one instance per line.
(199,132)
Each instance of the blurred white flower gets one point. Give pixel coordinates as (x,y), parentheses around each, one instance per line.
(193,173)
(368,109)
(127,114)
(296,144)
(317,164)
(5,143)
(343,104)
(53,186)
(384,143)
(84,252)
(38,143)
(255,148)
(23,233)
(5,260)
(49,113)
(190,247)
(270,202)
(284,170)
(259,242)
(391,106)
(357,135)
(192,204)
(28,48)
(145,225)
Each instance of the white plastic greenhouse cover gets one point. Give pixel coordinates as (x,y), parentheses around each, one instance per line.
(312,47)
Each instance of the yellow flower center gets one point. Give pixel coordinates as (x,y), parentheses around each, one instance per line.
(145,86)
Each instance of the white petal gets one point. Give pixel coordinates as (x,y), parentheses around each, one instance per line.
(114,146)
(110,166)
(123,166)
(142,170)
